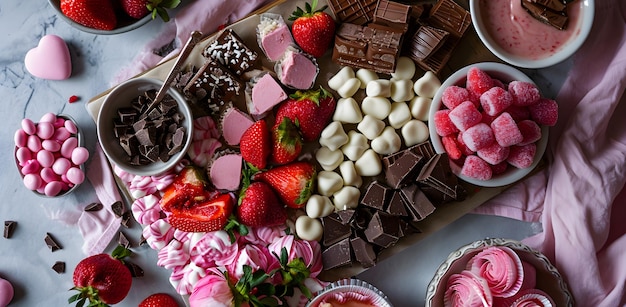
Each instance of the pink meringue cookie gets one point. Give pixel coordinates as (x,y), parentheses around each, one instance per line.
(214,249)
(205,128)
(501,267)
(257,257)
(201,151)
(146,210)
(174,255)
(158,234)
(263,235)
(185,278)
(533,298)
(309,251)
(467,289)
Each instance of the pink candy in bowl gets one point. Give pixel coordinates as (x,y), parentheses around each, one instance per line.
(49,155)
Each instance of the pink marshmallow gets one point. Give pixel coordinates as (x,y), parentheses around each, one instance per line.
(523,93)
(522,156)
(506,131)
(477,168)
(495,100)
(465,116)
(478,136)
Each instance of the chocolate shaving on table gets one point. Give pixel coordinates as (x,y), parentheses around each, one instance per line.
(557,19)
(93,207)
(9,228)
(127,219)
(118,208)
(59,267)
(123,240)
(135,270)
(142,240)
(52,243)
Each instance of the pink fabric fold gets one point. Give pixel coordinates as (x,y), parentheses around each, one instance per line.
(579,197)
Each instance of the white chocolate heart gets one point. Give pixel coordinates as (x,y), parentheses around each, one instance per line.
(50,59)
(402,90)
(349,175)
(427,85)
(368,164)
(405,69)
(340,78)
(378,107)
(371,127)
(419,107)
(399,115)
(309,229)
(333,136)
(346,198)
(378,88)
(414,132)
(328,182)
(328,159)
(387,142)
(319,206)
(347,111)
(349,87)
(356,146)
(366,75)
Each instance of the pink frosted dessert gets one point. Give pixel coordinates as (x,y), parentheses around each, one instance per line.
(274,36)
(296,70)
(225,172)
(520,34)
(234,123)
(264,94)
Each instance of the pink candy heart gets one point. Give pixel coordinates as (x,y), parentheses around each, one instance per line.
(50,59)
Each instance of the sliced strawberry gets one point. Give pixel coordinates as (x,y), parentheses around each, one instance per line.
(256,144)
(292,182)
(259,206)
(190,182)
(286,141)
(210,215)
(311,110)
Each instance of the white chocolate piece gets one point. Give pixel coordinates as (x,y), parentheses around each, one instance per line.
(309,229)
(405,69)
(366,75)
(328,182)
(399,115)
(402,90)
(356,146)
(346,198)
(378,88)
(328,159)
(378,107)
(371,127)
(319,206)
(347,111)
(349,87)
(387,142)
(333,136)
(340,78)
(348,172)
(420,107)
(414,132)
(427,85)
(368,164)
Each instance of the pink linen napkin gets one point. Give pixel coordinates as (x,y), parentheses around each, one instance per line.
(580,197)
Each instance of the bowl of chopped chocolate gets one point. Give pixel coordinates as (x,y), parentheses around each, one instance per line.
(140,136)
(532,33)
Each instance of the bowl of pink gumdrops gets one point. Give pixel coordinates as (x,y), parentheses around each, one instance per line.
(492,121)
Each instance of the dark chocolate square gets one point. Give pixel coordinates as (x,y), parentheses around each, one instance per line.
(376,196)
(383,229)
(336,255)
(357,12)
(363,252)
(334,230)
(418,205)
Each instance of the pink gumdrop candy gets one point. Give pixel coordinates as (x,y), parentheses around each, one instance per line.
(32,181)
(45,130)
(443,124)
(506,131)
(29,126)
(465,116)
(478,82)
(518,113)
(75,175)
(495,100)
(453,96)
(20,138)
(50,59)
(478,136)
(531,132)
(494,153)
(477,168)
(522,156)
(523,93)
(545,112)
(79,155)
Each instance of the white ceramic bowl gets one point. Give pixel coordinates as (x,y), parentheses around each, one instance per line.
(124,24)
(504,73)
(351,287)
(122,96)
(583,28)
(549,279)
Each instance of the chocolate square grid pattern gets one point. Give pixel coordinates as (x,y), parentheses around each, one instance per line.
(357,12)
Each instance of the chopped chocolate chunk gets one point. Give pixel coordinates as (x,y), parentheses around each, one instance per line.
(59,267)
(146,136)
(357,12)
(93,207)
(376,196)
(123,240)
(426,41)
(404,169)
(439,182)
(334,231)
(129,143)
(424,149)
(392,14)
(52,244)
(383,229)
(362,217)
(9,228)
(127,219)
(450,17)
(337,255)
(118,208)
(230,50)
(555,5)
(418,205)
(142,240)
(127,115)
(345,216)
(135,270)
(557,19)
(363,252)
(397,205)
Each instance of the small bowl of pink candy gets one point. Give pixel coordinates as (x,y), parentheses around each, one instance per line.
(492,121)
(49,155)
(497,272)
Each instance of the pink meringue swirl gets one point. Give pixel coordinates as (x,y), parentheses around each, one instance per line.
(174,255)
(214,249)
(185,278)
(467,289)
(257,257)
(533,298)
(263,235)
(146,210)
(211,290)
(205,128)
(501,267)
(158,234)
(201,151)
(309,251)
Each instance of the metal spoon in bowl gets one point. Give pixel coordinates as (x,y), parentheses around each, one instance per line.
(184,53)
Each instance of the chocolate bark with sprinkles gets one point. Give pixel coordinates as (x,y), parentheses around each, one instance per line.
(230,50)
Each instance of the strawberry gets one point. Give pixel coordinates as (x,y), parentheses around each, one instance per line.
(188,184)
(140,8)
(102,279)
(209,214)
(286,141)
(311,110)
(96,14)
(259,206)
(256,144)
(313,30)
(159,300)
(293,182)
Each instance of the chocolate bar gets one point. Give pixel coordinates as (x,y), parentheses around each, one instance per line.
(557,19)
(392,14)
(359,12)
(555,5)
(450,17)
(426,41)
(230,50)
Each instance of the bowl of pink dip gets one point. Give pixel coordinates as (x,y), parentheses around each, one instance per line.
(511,33)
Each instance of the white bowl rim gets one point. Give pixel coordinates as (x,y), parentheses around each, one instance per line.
(512,174)
(569,49)
(159,167)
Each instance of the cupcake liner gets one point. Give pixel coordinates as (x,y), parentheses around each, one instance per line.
(347,290)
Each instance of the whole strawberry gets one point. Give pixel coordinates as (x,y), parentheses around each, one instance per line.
(140,8)
(313,30)
(256,144)
(286,141)
(293,182)
(102,279)
(96,14)
(159,300)
(259,206)
(311,110)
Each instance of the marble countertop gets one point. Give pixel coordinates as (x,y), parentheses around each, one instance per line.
(25,259)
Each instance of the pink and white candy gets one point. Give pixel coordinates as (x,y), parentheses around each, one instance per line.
(467,289)
(146,210)
(501,268)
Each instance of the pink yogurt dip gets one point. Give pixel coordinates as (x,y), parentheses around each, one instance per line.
(520,34)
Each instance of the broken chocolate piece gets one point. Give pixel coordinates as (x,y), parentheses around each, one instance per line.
(450,17)
(346,216)
(363,252)
(404,169)
(9,228)
(135,270)
(118,208)
(123,240)
(337,255)
(392,14)
(230,50)
(439,182)
(418,205)
(52,244)
(397,205)
(93,207)
(376,196)
(426,41)
(556,5)
(383,229)
(358,12)
(557,19)
(334,230)
(127,219)
(59,267)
